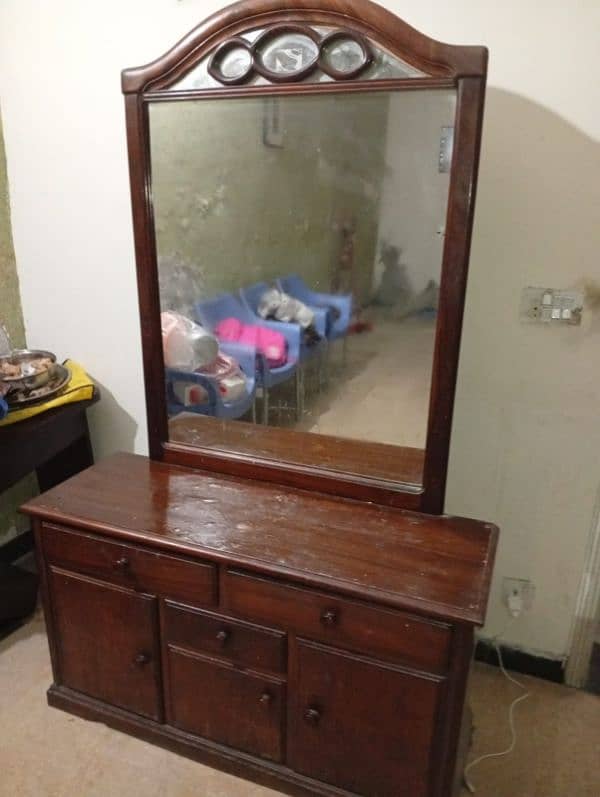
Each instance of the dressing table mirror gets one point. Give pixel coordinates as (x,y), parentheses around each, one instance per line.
(303,181)
(259,593)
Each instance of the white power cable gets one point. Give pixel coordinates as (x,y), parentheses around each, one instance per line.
(511,718)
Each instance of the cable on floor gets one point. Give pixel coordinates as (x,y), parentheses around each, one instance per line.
(511,719)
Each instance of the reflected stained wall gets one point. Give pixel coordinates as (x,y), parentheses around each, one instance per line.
(415,193)
(238,210)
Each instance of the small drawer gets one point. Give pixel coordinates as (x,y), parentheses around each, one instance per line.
(346,623)
(215,700)
(244,644)
(142,569)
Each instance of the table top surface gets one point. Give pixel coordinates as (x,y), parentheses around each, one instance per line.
(439,566)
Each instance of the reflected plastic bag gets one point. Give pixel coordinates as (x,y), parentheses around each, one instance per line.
(186,346)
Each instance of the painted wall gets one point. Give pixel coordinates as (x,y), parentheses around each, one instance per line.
(11,318)
(526,432)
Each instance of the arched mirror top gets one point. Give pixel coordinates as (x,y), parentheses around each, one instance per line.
(269,42)
(303,182)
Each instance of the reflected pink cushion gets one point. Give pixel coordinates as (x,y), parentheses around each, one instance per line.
(269,342)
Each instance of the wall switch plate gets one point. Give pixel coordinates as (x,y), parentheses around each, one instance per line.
(551,306)
(518,588)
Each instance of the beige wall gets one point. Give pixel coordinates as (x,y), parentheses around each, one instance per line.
(525,442)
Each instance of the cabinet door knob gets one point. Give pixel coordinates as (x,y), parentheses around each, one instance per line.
(329,617)
(266,698)
(222,636)
(122,563)
(141,659)
(312,715)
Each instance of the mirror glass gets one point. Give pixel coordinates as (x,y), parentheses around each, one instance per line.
(299,247)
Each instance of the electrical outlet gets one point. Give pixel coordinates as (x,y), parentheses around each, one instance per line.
(551,306)
(518,594)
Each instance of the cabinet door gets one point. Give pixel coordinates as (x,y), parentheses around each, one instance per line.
(362,725)
(213,699)
(107,641)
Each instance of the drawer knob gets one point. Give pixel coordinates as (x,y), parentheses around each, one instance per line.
(122,563)
(141,659)
(223,636)
(329,617)
(312,715)
(266,698)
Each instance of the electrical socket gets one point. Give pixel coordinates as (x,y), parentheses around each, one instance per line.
(518,594)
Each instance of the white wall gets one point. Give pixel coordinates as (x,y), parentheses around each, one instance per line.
(63,110)
(526,432)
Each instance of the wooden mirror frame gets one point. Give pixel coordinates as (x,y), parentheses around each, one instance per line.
(445,66)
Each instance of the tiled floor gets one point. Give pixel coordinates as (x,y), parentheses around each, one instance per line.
(47,753)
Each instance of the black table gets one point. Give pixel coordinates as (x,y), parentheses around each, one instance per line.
(56,445)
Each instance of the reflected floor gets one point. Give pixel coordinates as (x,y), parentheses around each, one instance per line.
(380,393)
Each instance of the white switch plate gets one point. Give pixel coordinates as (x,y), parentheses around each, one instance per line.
(551,306)
(518,587)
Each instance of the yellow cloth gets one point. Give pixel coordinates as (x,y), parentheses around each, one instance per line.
(79,388)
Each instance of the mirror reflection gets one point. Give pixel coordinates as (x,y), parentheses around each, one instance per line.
(299,245)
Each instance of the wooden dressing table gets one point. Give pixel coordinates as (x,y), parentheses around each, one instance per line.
(308,642)
(289,606)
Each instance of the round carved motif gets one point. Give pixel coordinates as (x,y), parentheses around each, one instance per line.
(290,53)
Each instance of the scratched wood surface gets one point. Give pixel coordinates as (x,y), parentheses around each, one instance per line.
(436,565)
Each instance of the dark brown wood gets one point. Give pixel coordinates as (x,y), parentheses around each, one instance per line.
(406,483)
(297,89)
(102,630)
(437,566)
(214,700)
(362,725)
(349,624)
(255,64)
(227,759)
(381,462)
(457,245)
(365,18)
(244,644)
(128,566)
(302,639)
(138,145)
(459,724)
(376,605)
(335,464)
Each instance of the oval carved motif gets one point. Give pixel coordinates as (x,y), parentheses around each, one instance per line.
(290,53)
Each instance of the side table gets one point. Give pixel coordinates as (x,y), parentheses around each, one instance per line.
(56,445)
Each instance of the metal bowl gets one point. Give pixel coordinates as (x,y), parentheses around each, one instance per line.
(27,381)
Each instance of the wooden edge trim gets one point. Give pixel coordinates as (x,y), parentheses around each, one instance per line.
(455,266)
(446,613)
(226,759)
(367,18)
(346,485)
(295,89)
